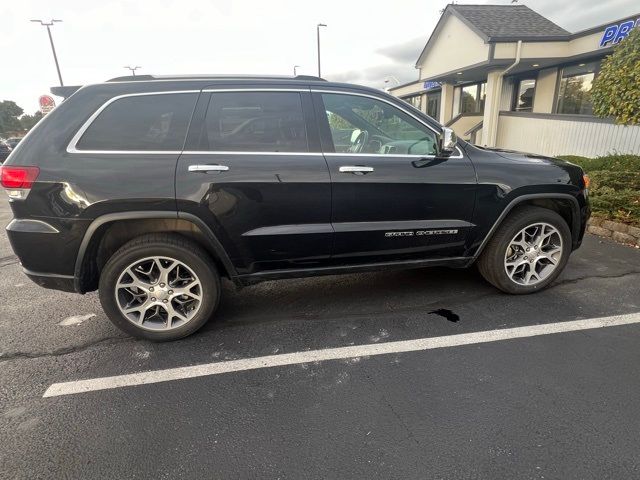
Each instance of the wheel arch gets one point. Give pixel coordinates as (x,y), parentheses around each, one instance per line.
(563,203)
(108,232)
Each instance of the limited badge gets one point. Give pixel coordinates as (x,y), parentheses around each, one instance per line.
(420,233)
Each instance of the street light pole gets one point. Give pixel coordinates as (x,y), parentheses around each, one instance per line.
(133,69)
(53,48)
(318,37)
(295,70)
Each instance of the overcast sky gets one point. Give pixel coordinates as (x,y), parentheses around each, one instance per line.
(365,41)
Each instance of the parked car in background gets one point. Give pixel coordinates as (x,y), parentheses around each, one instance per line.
(5,150)
(150,190)
(13,141)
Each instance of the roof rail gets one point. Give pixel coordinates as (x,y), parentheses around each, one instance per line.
(133,78)
(309,77)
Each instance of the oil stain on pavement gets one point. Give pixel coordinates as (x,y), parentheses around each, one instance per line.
(448,314)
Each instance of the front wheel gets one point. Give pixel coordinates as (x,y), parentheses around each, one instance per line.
(528,252)
(159,287)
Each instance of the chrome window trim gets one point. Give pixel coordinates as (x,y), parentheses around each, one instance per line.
(223,152)
(71,148)
(126,152)
(375,97)
(383,155)
(257,89)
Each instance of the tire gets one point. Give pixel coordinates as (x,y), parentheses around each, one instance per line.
(132,278)
(493,260)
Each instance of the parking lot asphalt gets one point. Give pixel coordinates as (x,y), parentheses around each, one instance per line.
(562,405)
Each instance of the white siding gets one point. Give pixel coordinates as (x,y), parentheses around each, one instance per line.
(456,101)
(410,89)
(453,35)
(554,137)
(464,124)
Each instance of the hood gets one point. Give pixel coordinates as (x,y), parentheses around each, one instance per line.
(529,158)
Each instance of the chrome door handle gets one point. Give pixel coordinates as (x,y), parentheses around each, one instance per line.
(208,168)
(357,169)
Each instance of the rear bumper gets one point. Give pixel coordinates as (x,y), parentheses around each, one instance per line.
(66,283)
(46,252)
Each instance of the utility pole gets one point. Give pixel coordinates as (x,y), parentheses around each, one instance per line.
(318,36)
(53,48)
(133,69)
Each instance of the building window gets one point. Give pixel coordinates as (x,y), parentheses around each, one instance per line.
(472,98)
(524,92)
(415,100)
(433,104)
(574,94)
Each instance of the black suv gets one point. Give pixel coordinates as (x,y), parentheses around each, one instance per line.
(151,189)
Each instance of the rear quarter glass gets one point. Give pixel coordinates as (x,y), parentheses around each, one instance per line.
(148,122)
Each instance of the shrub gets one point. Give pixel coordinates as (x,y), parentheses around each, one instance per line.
(616,89)
(615,185)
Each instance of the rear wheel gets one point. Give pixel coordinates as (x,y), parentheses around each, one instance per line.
(159,287)
(528,252)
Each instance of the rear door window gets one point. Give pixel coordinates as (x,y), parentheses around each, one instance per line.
(255,122)
(141,123)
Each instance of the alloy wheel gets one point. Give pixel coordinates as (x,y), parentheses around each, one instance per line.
(533,254)
(158,293)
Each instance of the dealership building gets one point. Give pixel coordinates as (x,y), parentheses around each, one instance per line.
(505,76)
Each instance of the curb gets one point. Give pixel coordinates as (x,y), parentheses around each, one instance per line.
(619,232)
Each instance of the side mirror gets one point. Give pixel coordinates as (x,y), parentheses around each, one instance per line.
(447,142)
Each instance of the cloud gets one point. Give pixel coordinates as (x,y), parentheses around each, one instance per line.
(405,52)
(214,36)
(579,15)
(401,57)
(378,75)
(398,65)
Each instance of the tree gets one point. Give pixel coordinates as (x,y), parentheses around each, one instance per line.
(28,121)
(9,113)
(616,90)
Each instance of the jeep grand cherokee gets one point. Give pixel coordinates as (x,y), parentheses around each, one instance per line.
(151,189)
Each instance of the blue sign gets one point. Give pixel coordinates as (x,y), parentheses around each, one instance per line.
(614,34)
(431,85)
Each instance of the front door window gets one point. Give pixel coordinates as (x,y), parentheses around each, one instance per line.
(365,125)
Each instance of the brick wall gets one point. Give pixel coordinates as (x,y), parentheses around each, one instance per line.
(619,232)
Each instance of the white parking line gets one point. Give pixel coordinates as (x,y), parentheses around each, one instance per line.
(167,375)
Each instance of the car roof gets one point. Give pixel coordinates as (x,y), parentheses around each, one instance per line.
(204,80)
(142,78)
(169,82)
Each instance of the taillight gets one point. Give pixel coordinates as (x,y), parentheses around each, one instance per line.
(18,181)
(586,181)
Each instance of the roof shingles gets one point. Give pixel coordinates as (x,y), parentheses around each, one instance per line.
(508,21)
